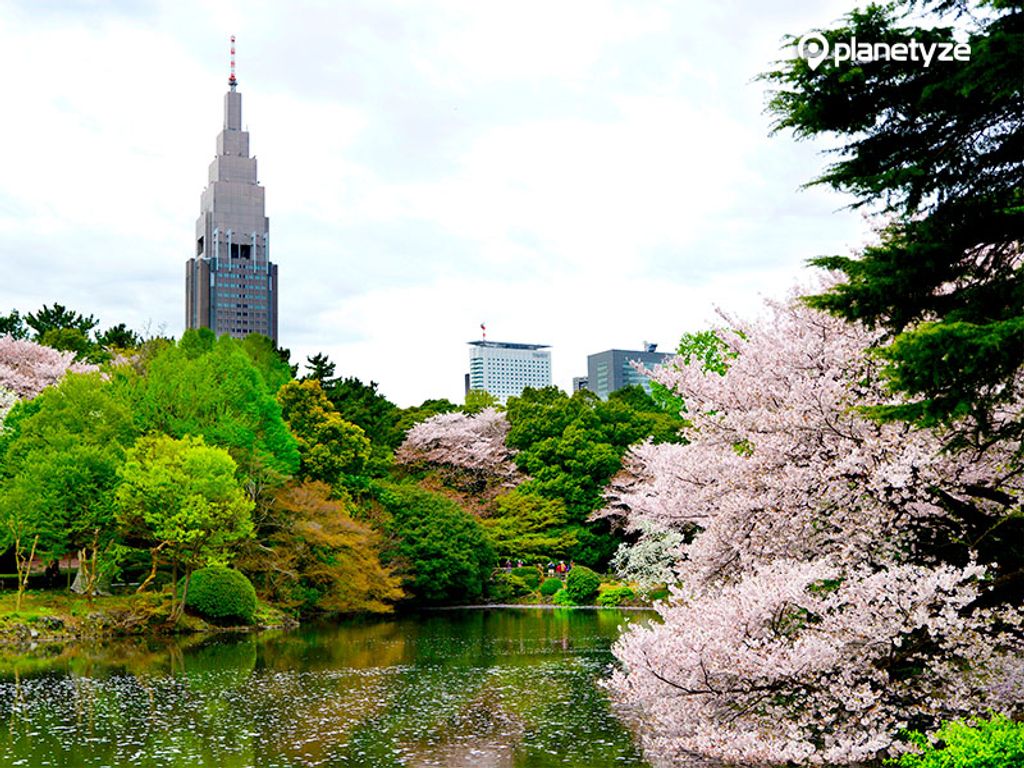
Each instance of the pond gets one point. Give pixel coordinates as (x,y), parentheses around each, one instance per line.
(509,688)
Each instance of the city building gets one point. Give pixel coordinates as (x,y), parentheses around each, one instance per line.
(505,370)
(579,382)
(613,369)
(230,283)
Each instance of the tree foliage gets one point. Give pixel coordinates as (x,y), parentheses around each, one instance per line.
(60,461)
(182,496)
(210,387)
(993,742)
(58,317)
(222,594)
(441,551)
(320,369)
(530,527)
(570,447)
(937,148)
(315,558)
(329,446)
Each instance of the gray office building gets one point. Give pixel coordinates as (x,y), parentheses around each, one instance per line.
(612,369)
(230,283)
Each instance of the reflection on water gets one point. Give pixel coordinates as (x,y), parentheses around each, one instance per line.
(503,688)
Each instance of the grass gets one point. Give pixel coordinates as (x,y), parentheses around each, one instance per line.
(103,615)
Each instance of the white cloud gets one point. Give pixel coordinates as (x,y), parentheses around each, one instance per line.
(585,174)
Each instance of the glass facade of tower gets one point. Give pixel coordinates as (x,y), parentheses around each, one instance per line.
(230,283)
(613,369)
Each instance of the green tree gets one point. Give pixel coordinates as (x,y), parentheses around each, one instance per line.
(58,317)
(478,399)
(410,417)
(528,526)
(329,446)
(571,446)
(73,340)
(269,360)
(13,324)
(362,404)
(321,369)
(182,498)
(118,336)
(937,149)
(440,549)
(210,387)
(60,463)
(996,742)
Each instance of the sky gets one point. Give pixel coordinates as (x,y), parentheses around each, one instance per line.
(589,175)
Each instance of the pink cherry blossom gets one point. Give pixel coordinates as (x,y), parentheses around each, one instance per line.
(26,368)
(811,621)
(467,442)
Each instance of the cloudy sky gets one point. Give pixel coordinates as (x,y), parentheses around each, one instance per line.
(586,174)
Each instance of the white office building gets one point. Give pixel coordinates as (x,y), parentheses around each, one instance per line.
(505,370)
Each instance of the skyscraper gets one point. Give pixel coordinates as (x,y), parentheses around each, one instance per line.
(505,369)
(230,283)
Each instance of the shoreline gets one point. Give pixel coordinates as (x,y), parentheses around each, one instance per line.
(545,606)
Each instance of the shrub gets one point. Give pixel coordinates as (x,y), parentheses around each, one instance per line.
(530,574)
(582,584)
(562,598)
(222,594)
(661,593)
(506,586)
(991,743)
(550,586)
(615,595)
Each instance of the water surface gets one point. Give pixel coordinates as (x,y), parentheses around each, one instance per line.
(510,688)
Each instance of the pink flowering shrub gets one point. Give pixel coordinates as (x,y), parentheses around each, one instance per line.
(838,586)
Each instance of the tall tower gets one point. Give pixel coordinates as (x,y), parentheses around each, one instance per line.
(230,283)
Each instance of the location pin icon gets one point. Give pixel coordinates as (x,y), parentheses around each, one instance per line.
(813,48)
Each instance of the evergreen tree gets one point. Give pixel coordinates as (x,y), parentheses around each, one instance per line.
(938,149)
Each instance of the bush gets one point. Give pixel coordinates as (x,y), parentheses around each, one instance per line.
(530,574)
(615,595)
(507,586)
(550,586)
(582,584)
(562,598)
(661,593)
(991,743)
(221,594)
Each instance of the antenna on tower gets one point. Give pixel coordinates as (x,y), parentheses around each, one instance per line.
(232,80)
(483,330)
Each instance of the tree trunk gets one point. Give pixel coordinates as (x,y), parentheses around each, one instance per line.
(179,607)
(152,571)
(173,619)
(23,566)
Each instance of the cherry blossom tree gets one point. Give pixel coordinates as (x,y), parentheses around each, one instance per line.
(845,579)
(26,368)
(474,443)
